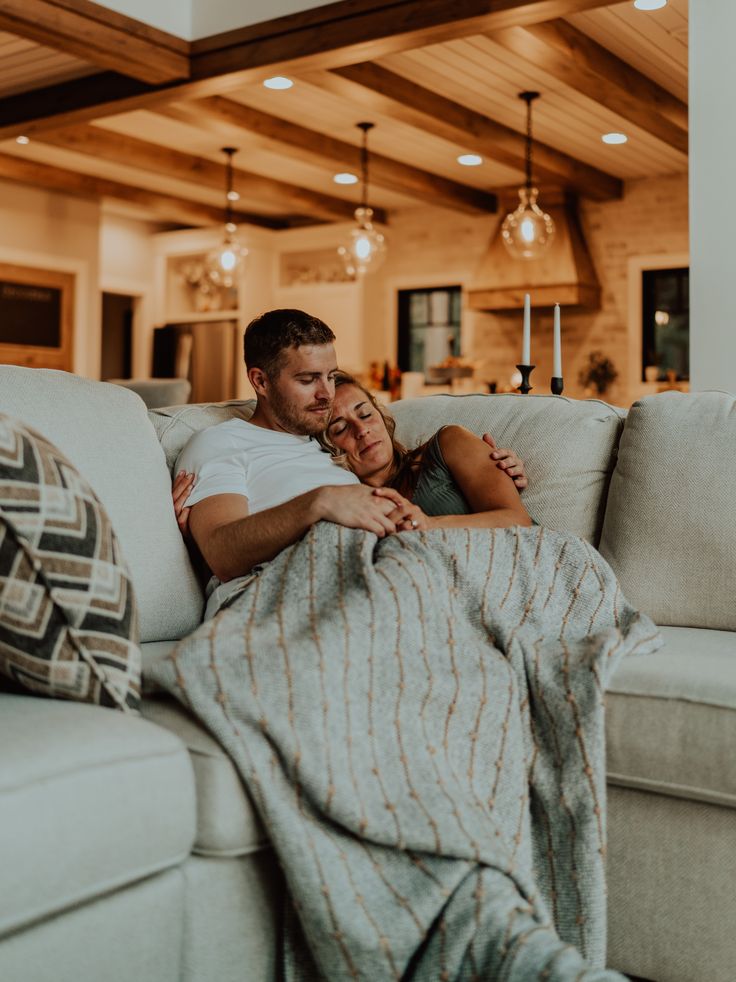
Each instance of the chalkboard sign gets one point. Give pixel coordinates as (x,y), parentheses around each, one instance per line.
(30,314)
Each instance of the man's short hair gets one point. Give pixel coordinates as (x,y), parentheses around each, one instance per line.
(268,336)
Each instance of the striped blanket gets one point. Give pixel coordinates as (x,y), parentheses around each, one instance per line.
(419,721)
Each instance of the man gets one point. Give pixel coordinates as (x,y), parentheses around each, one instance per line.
(261,484)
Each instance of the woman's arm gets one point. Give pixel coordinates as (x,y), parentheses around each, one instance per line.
(490,492)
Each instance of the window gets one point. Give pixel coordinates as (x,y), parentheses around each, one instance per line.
(429,327)
(666,323)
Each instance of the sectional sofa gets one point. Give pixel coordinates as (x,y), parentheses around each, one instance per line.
(131,850)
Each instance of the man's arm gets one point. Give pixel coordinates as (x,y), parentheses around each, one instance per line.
(233,541)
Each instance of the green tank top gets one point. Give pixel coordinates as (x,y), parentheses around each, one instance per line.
(436,492)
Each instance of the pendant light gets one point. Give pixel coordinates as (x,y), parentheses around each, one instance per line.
(225,263)
(365,247)
(527,231)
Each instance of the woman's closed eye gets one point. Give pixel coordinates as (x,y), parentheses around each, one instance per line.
(339,428)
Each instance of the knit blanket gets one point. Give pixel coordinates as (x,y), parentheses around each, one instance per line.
(419,721)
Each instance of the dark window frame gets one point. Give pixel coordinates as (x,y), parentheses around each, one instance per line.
(649,307)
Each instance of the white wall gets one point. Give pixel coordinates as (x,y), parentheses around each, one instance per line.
(174,16)
(712,198)
(191,19)
(215,16)
(54,231)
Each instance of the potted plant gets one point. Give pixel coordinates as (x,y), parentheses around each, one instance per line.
(598,373)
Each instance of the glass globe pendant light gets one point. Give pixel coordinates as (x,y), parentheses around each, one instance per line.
(528,231)
(365,247)
(224,264)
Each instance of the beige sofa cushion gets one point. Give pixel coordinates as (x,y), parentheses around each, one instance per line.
(89,800)
(671,718)
(669,530)
(227,824)
(568,447)
(105,431)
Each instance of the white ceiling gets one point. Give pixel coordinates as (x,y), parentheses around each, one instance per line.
(193,19)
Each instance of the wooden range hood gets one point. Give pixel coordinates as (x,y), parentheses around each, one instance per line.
(564,274)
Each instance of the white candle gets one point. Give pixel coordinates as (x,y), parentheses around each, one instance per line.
(557,353)
(526,339)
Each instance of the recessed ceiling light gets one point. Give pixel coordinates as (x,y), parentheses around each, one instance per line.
(278,82)
(470,159)
(649,4)
(233,196)
(23,140)
(345,178)
(615,138)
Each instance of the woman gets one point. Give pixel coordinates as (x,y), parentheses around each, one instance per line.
(447,482)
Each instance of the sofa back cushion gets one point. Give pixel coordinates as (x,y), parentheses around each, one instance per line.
(105,432)
(669,529)
(568,447)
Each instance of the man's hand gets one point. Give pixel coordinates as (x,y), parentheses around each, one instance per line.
(507,460)
(357,507)
(180,491)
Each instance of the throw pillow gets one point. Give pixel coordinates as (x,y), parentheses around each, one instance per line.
(68,617)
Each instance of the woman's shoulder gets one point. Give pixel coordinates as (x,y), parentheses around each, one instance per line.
(453,435)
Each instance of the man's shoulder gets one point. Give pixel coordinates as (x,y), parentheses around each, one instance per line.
(228,435)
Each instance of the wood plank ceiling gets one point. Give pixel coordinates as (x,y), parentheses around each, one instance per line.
(115,109)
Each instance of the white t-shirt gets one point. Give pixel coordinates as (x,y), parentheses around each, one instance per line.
(268,467)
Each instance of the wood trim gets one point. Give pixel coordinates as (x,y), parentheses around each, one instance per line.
(379,90)
(586,66)
(355,30)
(325,150)
(33,356)
(129,25)
(349,32)
(107,145)
(568,295)
(96,35)
(164,206)
(301,20)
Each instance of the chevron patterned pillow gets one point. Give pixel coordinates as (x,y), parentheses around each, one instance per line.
(68,616)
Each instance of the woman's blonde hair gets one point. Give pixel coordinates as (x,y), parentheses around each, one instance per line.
(404,460)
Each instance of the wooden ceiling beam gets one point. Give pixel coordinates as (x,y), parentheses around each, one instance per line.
(330,36)
(100,36)
(164,206)
(379,90)
(586,66)
(325,150)
(119,148)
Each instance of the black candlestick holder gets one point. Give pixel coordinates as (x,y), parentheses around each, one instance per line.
(556,384)
(526,371)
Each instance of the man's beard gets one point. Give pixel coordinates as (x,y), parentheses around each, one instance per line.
(296,420)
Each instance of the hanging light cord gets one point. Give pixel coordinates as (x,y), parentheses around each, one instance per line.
(528,98)
(364,162)
(528,146)
(229,184)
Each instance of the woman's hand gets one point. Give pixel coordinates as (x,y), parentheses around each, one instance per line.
(407,517)
(507,461)
(180,491)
